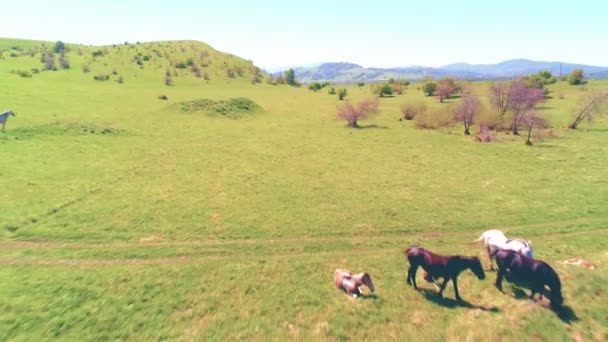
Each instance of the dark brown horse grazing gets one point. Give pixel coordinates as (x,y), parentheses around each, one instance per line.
(437,266)
(535,273)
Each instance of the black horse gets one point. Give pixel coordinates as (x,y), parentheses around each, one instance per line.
(439,266)
(535,274)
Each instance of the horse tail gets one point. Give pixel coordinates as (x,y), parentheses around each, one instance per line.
(478,240)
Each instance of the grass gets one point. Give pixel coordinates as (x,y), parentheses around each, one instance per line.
(178,226)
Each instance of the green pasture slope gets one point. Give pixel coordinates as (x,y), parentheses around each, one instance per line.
(125,217)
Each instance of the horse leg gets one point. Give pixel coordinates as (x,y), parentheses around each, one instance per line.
(489,250)
(445,282)
(499,277)
(457,295)
(411,276)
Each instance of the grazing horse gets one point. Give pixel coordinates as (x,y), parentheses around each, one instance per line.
(4,117)
(493,239)
(535,273)
(437,266)
(351,283)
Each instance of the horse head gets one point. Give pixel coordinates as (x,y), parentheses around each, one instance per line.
(477,269)
(367,281)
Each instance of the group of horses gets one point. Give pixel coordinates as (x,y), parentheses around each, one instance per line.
(514,258)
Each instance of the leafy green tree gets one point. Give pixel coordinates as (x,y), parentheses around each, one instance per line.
(382,89)
(429,87)
(290,78)
(315,86)
(576,77)
(59,47)
(342,93)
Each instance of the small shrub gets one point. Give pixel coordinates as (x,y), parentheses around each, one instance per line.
(97,53)
(181,65)
(230,73)
(49,62)
(22,73)
(360,84)
(410,110)
(163,97)
(147,58)
(120,80)
(196,71)
(206,76)
(240,71)
(114,72)
(101,77)
(64,62)
(332,91)
(168,78)
(35,70)
(342,94)
(434,119)
(353,113)
(86,68)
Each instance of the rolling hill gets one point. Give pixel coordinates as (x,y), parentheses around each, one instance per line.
(186,61)
(352,73)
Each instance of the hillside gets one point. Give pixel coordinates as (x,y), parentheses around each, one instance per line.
(184,61)
(352,73)
(221,213)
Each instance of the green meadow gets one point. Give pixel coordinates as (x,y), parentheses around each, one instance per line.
(128,217)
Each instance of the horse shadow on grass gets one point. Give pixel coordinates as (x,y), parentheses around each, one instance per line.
(452,303)
(565,313)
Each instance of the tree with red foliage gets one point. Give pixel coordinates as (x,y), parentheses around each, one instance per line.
(353,113)
(523,98)
(466,110)
(445,88)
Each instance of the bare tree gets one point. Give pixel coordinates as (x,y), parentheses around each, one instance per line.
(467,109)
(588,106)
(530,119)
(500,96)
(522,99)
(353,113)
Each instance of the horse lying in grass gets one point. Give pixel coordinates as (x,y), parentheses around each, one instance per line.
(437,266)
(351,283)
(534,273)
(495,239)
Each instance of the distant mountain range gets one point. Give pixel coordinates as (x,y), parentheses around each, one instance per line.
(352,73)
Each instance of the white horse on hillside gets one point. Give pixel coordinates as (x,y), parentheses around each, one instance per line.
(495,239)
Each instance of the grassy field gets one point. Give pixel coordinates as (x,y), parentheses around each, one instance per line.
(124,217)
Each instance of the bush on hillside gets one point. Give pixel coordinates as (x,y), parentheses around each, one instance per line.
(101,77)
(434,119)
(22,73)
(234,108)
(410,110)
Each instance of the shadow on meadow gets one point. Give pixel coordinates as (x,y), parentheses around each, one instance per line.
(565,313)
(432,296)
(372,126)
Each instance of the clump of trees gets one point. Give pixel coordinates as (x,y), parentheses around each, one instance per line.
(316,86)
(382,89)
(516,98)
(576,77)
(589,106)
(354,113)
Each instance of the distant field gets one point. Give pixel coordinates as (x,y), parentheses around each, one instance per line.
(124,217)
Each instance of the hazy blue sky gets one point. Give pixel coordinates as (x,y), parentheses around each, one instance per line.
(373,33)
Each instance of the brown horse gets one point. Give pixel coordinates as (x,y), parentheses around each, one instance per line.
(535,273)
(437,266)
